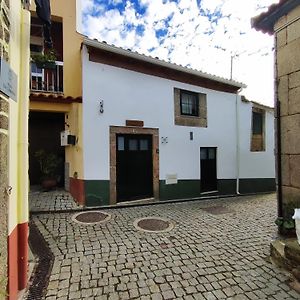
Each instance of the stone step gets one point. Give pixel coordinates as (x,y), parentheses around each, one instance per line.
(286,254)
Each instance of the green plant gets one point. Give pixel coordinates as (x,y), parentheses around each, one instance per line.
(42,58)
(48,163)
(285,223)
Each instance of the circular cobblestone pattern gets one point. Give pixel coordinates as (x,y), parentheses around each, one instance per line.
(153,224)
(90,218)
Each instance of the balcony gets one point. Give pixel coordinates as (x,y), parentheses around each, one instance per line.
(47,80)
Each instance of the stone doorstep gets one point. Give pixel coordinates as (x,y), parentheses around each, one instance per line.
(286,254)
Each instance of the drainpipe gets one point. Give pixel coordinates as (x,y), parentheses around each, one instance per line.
(278,156)
(278,123)
(278,139)
(237,106)
(23,109)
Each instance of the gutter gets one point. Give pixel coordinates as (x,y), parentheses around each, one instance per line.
(278,156)
(237,106)
(113,49)
(278,143)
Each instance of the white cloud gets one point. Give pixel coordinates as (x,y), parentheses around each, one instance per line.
(192,39)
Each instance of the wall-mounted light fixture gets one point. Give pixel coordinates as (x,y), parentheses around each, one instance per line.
(191,135)
(164,140)
(101,106)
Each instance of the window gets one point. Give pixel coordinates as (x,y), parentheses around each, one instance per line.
(189,103)
(257,134)
(257,121)
(190,108)
(121,143)
(144,145)
(133,145)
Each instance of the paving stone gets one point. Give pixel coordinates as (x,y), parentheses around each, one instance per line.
(167,295)
(144,291)
(134,293)
(156,296)
(204,257)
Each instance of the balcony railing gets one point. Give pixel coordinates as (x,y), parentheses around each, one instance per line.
(47,80)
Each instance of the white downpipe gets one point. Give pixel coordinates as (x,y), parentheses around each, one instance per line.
(237,106)
(23,102)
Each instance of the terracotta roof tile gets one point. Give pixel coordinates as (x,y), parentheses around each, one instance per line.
(49,97)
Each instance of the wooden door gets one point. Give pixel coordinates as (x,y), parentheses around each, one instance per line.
(134,167)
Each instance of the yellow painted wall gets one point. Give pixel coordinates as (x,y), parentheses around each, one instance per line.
(65,11)
(72,43)
(49,107)
(74,153)
(18,117)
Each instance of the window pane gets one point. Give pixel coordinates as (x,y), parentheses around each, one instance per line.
(120,143)
(144,145)
(211,153)
(257,123)
(133,145)
(203,153)
(35,69)
(189,104)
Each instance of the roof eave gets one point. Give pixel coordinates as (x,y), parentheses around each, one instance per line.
(265,22)
(103,46)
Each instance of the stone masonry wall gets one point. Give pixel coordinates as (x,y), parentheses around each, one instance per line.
(288,87)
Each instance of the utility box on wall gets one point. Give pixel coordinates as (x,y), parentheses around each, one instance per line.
(67,139)
(64,138)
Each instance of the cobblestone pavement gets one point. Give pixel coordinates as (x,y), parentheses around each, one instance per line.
(51,201)
(212,253)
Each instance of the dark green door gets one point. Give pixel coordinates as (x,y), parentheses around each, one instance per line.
(134,167)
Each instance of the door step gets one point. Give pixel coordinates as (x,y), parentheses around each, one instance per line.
(209,192)
(145,200)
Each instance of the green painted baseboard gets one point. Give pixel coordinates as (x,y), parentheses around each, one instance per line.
(183,189)
(97,191)
(257,185)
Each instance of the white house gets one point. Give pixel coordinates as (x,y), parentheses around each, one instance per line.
(152,129)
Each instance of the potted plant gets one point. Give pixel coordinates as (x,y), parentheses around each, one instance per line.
(45,60)
(49,163)
(286,226)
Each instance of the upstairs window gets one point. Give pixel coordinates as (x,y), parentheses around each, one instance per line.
(189,103)
(257,123)
(190,108)
(258,130)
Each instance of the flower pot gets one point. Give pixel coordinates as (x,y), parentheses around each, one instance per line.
(49,183)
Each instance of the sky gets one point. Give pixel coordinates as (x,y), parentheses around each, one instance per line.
(213,36)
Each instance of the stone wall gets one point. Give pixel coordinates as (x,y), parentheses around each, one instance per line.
(288,87)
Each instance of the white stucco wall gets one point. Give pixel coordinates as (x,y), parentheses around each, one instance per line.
(256,164)
(131,95)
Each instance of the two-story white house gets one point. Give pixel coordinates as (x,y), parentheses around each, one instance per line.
(156,130)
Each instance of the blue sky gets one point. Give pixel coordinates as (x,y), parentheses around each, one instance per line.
(201,34)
